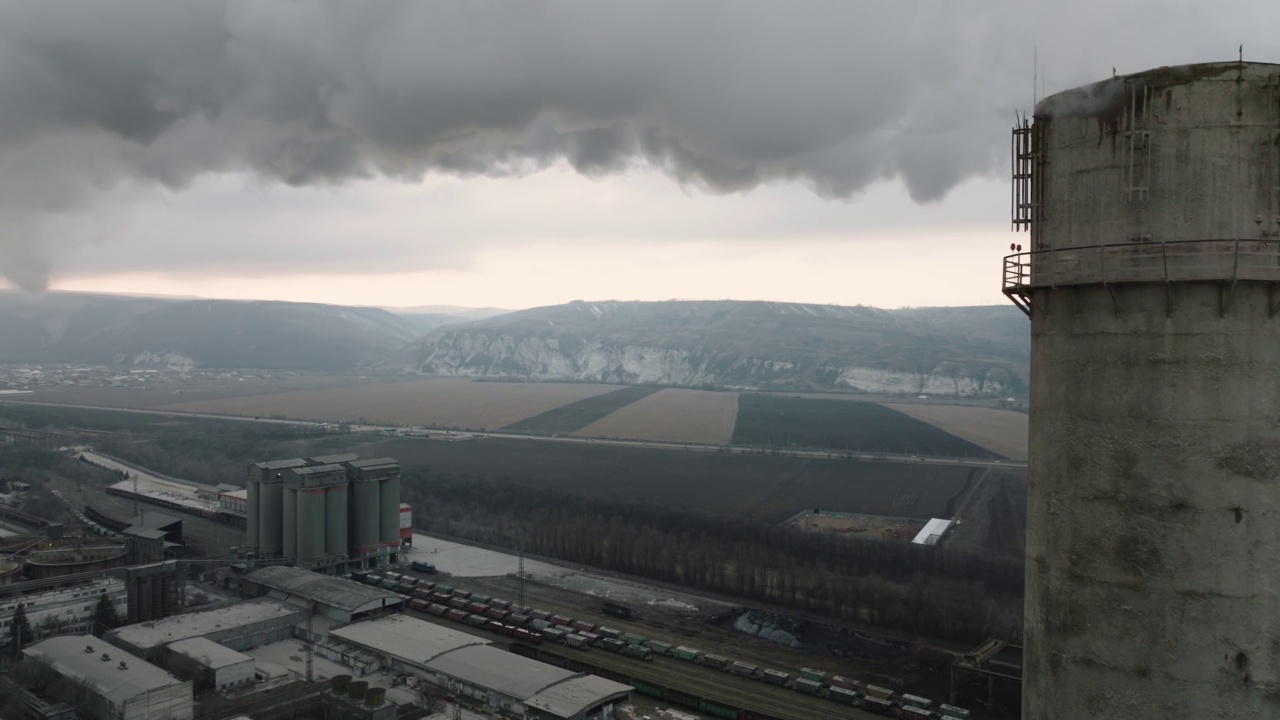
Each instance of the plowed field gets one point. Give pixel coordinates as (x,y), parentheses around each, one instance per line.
(434,402)
(672,415)
(1000,431)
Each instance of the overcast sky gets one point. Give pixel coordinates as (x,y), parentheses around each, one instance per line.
(514,154)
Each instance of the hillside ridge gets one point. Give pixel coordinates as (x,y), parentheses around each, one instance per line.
(968,352)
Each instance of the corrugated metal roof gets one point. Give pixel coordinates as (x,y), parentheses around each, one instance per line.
(337,592)
(68,655)
(209,653)
(180,627)
(506,672)
(574,695)
(405,637)
(476,661)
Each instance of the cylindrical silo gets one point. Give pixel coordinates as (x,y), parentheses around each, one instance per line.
(1154,207)
(290,521)
(335,503)
(389,516)
(254,511)
(311,523)
(270,519)
(366,515)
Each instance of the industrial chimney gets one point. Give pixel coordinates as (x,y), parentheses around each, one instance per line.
(1153,206)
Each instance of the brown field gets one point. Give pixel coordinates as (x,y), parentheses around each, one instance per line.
(1000,431)
(872,526)
(434,402)
(167,391)
(672,415)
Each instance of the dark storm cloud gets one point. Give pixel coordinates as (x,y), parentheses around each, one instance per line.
(98,98)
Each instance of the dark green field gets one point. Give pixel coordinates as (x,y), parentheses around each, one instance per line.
(577,415)
(756,486)
(771,421)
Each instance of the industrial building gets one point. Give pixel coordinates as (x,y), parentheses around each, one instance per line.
(329,513)
(63,609)
(337,600)
(471,667)
(242,626)
(1151,280)
(209,665)
(116,685)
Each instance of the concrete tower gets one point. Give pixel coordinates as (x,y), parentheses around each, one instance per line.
(1153,544)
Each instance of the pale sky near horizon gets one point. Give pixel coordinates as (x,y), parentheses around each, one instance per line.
(551,238)
(478,153)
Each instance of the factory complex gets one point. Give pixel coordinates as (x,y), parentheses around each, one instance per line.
(153,670)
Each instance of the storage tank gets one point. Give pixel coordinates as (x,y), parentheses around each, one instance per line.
(44,564)
(370,512)
(335,503)
(1153,202)
(10,570)
(389,517)
(365,516)
(270,478)
(311,524)
(253,508)
(290,521)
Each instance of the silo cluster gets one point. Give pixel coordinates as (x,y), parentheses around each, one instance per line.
(1151,280)
(326,511)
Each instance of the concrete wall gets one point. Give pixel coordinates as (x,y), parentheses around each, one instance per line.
(1154,466)
(172,702)
(235,675)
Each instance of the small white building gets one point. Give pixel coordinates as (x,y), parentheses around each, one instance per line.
(932,531)
(209,664)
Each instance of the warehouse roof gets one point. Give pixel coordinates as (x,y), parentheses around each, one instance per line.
(506,672)
(474,660)
(574,695)
(336,592)
(79,657)
(209,653)
(198,624)
(408,638)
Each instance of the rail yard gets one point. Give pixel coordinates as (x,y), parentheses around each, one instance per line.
(728,675)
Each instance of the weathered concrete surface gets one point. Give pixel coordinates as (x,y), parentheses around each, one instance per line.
(1153,542)
(1153,548)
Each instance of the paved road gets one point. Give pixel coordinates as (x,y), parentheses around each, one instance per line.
(440,435)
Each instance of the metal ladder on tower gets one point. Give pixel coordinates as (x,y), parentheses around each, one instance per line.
(1135,147)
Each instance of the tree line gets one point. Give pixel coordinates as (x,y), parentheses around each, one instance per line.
(938,591)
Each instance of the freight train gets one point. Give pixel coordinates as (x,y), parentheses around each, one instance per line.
(533,627)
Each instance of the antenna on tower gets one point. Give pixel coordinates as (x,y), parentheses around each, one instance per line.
(1035,76)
